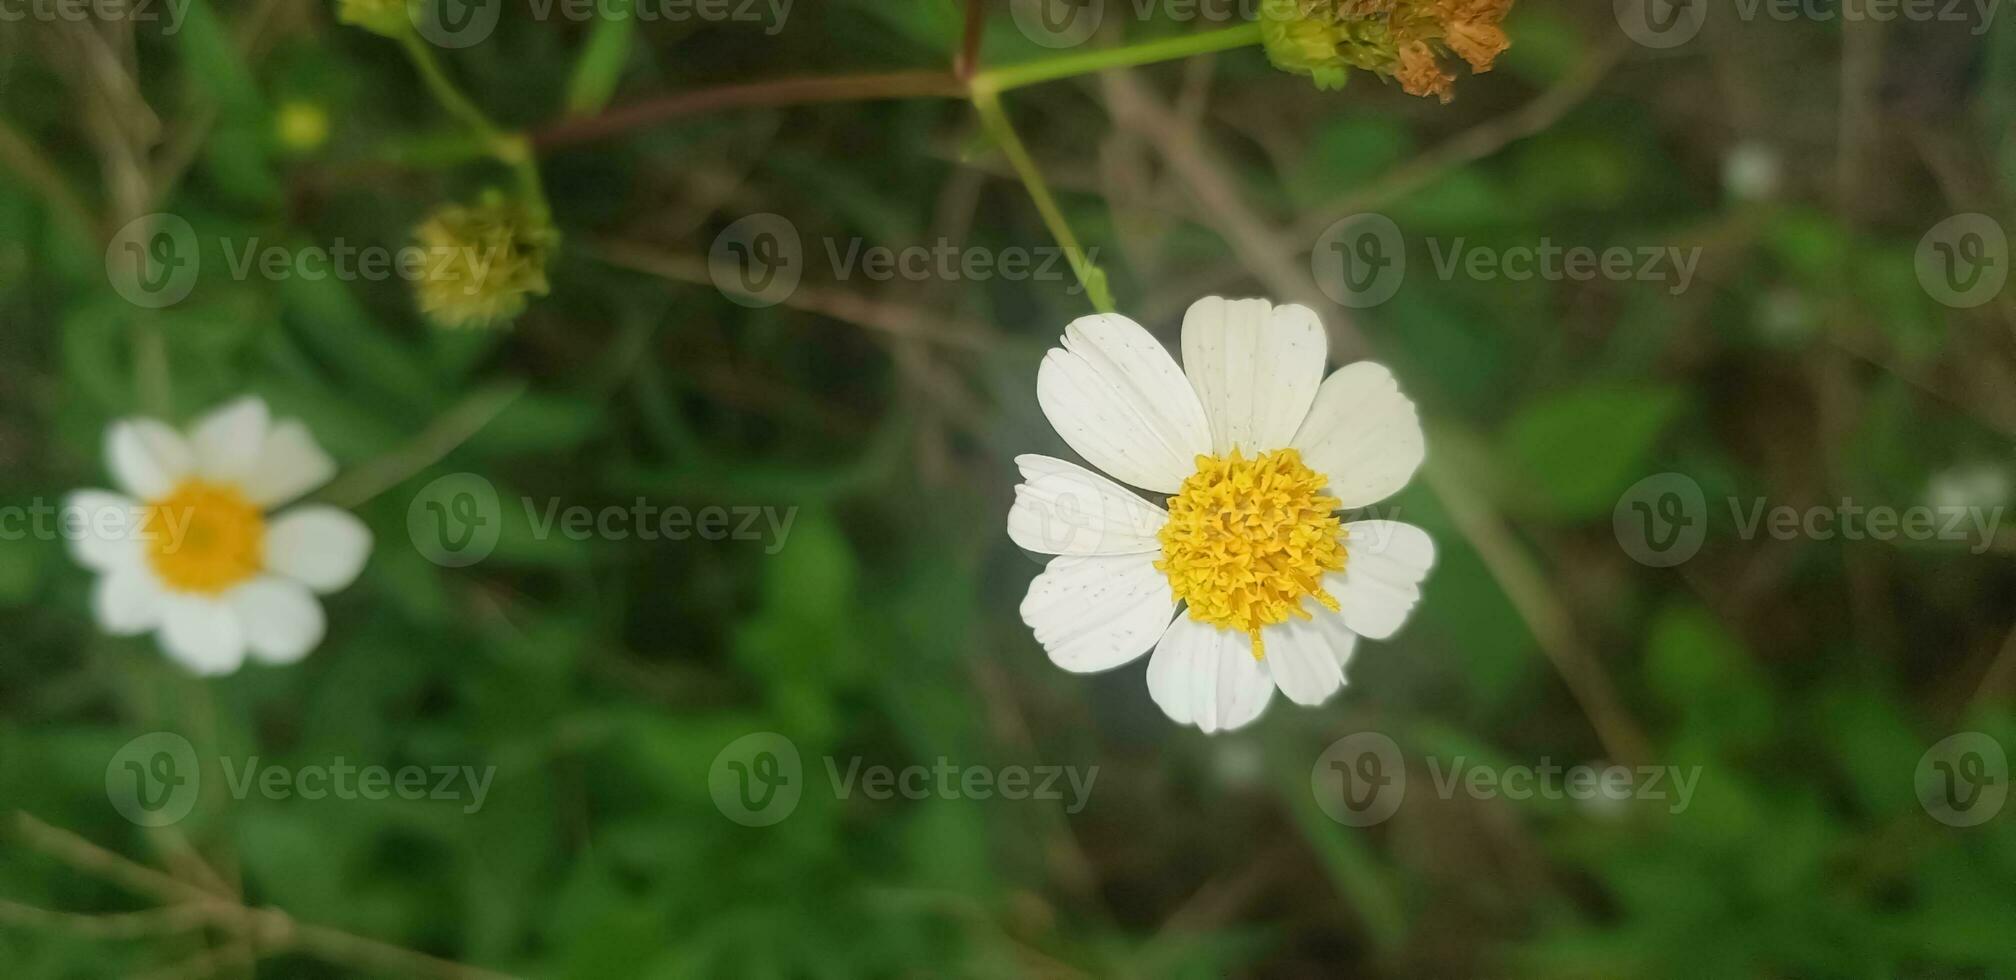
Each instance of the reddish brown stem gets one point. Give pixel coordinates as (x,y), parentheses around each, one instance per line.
(782,92)
(969,47)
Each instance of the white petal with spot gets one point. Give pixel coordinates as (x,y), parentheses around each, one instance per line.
(1095,613)
(1205,676)
(1384,563)
(1120,401)
(1062,508)
(1302,658)
(1256,368)
(1362,434)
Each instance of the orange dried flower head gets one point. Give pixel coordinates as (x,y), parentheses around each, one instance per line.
(1404,40)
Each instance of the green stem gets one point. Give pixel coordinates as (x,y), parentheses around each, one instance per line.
(996,121)
(510,149)
(443,89)
(1167,49)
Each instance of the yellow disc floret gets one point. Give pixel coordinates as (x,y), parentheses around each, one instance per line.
(1248,539)
(204,537)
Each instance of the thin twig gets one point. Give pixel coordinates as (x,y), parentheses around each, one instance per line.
(453,428)
(968,60)
(20,155)
(1471,145)
(266,930)
(889,318)
(164,921)
(771,94)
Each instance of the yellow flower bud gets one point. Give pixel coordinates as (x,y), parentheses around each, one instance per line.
(483,262)
(301,127)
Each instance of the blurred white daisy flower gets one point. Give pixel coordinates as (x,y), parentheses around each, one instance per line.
(186,549)
(1258,451)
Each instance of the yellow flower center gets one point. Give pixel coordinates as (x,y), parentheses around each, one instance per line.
(1248,539)
(204,537)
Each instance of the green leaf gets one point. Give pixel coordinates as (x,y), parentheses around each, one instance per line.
(1577,450)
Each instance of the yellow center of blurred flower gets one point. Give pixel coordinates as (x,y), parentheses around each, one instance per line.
(1248,539)
(204,537)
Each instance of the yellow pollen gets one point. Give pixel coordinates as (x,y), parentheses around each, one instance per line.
(1248,539)
(204,537)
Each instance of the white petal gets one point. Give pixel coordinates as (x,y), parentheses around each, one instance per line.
(290,464)
(1062,508)
(1096,613)
(202,634)
(228,441)
(1303,660)
(1384,563)
(1120,401)
(283,620)
(1256,367)
(147,458)
(1205,676)
(1343,642)
(103,529)
(1363,434)
(127,601)
(319,546)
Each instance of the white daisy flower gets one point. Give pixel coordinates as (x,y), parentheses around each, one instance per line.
(1258,451)
(188,552)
